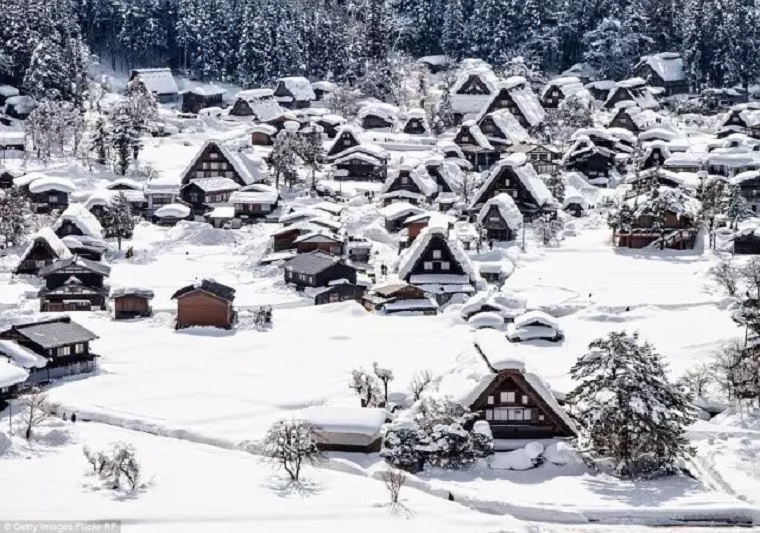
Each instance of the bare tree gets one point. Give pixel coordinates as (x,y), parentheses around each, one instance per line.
(697,379)
(123,465)
(394,479)
(289,444)
(727,276)
(751,275)
(98,460)
(420,381)
(737,371)
(35,409)
(385,375)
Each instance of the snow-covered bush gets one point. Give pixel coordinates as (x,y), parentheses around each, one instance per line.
(405,446)
(420,381)
(119,467)
(366,386)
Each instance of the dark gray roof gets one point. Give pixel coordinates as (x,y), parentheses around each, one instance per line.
(312,263)
(53,333)
(210,286)
(94,266)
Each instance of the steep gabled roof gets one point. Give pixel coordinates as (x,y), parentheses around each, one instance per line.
(412,255)
(524,171)
(249,166)
(78,215)
(55,332)
(507,209)
(157,80)
(51,240)
(210,286)
(313,262)
(667,65)
(93,266)
(523,96)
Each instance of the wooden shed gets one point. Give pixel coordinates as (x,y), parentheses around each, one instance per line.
(131,303)
(205,303)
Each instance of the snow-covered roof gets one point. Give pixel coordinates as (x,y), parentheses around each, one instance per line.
(255,94)
(11,374)
(685,159)
(339,425)
(259,195)
(525,172)
(326,86)
(507,209)
(8,138)
(411,256)
(250,166)
(262,103)
(676,201)
(567,85)
(524,98)
(385,111)
(206,90)
(267,129)
(582,70)
(477,135)
(56,244)
(536,318)
(494,347)
(22,104)
(299,87)
(419,175)
(222,211)
(119,292)
(367,149)
(215,184)
(78,215)
(51,183)
(172,211)
(157,80)
(398,210)
(481,71)
(667,65)
(509,126)
(7,91)
(22,356)
(330,207)
(125,182)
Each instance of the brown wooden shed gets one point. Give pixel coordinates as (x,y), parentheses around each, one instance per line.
(131,303)
(205,303)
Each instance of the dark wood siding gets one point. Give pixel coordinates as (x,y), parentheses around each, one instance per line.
(202,309)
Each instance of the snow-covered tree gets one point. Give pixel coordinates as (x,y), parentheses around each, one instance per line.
(141,105)
(727,276)
(613,48)
(284,157)
(628,410)
(737,208)
(15,217)
(547,229)
(405,446)
(124,139)
(291,444)
(118,221)
(100,140)
(736,368)
(384,376)
(420,382)
(366,386)
(36,408)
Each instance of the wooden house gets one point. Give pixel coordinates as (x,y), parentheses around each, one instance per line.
(45,249)
(338,291)
(201,193)
(50,194)
(12,377)
(330,124)
(345,139)
(544,158)
(294,92)
(595,162)
(205,303)
(201,97)
(81,232)
(516,402)
(12,141)
(655,155)
(516,95)
(317,269)
(397,213)
(6,178)
(158,81)
(472,90)
(263,135)
(216,160)
(323,241)
(347,429)
(631,90)
(395,298)
(414,122)
(436,263)
(407,182)
(74,284)
(378,116)
(502,130)
(131,303)
(159,193)
(749,185)
(414,225)
(500,219)
(358,249)
(323,90)
(517,178)
(258,104)
(254,202)
(560,88)
(633,119)
(63,343)
(367,162)
(663,70)
(171,214)
(478,151)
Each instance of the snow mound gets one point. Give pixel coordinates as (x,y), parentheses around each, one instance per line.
(5,443)
(514,460)
(558,453)
(534,449)
(200,234)
(487,319)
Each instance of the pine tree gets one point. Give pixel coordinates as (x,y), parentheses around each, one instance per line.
(15,217)
(46,77)
(124,139)
(453,37)
(628,410)
(284,157)
(737,208)
(100,141)
(118,221)
(141,106)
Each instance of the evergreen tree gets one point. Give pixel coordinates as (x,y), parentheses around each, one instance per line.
(453,37)
(628,410)
(15,217)
(100,141)
(284,157)
(141,105)
(124,139)
(46,77)
(737,208)
(118,221)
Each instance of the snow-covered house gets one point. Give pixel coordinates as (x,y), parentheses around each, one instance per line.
(437,264)
(414,225)
(477,150)
(201,194)
(496,383)
(80,229)
(330,124)
(560,88)
(730,162)
(259,104)
(395,297)
(472,90)
(500,218)
(12,141)
(502,129)
(12,374)
(396,214)
(205,303)
(691,162)
(742,118)
(294,92)
(583,71)
(663,70)
(322,90)
(158,81)
(74,284)
(171,214)
(201,97)
(7,176)
(7,91)
(633,89)
(52,348)
(254,201)
(628,116)
(320,239)
(595,161)
(19,107)
(414,122)
(545,158)
(534,325)
(662,217)
(408,183)
(515,176)
(366,162)
(749,185)
(45,249)
(50,193)
(346,138)
(448,178)
(263,135)
(346,429)
(516,95)
(317,269)
(158,193)
(217,160)
(378,116)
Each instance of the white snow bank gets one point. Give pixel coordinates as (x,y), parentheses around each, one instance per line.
(487,319)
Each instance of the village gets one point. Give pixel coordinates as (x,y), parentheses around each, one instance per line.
(303,254)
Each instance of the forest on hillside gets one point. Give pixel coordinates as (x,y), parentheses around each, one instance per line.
(252,42)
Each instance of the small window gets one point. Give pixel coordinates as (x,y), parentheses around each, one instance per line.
(213,155)
(436,254)
(52,198)
(489,414)
(445,265)
(525,399)
(507,182)
(540,418)
(428,265)
(514,194)
(64,350)
(404,180)
(490,400)
(507,397)
(493,218)
(79,348)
